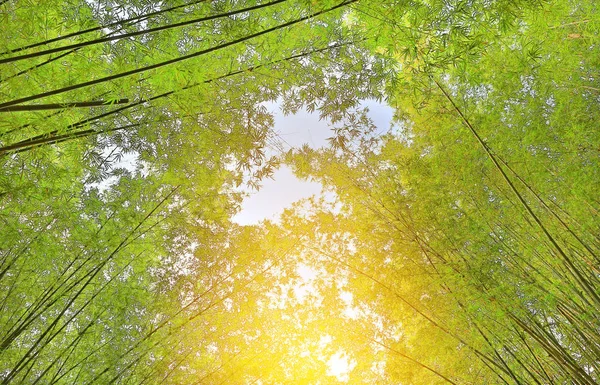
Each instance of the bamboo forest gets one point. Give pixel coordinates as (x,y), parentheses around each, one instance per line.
(457,242)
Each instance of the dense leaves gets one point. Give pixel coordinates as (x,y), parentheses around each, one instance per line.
(462,247)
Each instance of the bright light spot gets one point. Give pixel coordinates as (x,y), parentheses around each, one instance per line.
(346,296)
(349,310)
(340,366)
(307,273)
(324,341)
(305,285)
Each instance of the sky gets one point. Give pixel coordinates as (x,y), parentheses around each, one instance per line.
(279,193)
(284,189)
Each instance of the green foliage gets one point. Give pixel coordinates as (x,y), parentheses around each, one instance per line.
(501,257)
(463,246)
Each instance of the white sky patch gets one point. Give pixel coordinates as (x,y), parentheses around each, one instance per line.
(382,116)
(305,284)
(274,196)
(306,272)
(297,290)
(340,366)
(128,161)
(350,311)
(284,189)
(324,341)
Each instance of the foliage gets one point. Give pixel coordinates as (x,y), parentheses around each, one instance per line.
(462,248)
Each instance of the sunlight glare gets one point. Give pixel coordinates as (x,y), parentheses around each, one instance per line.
(340,366)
